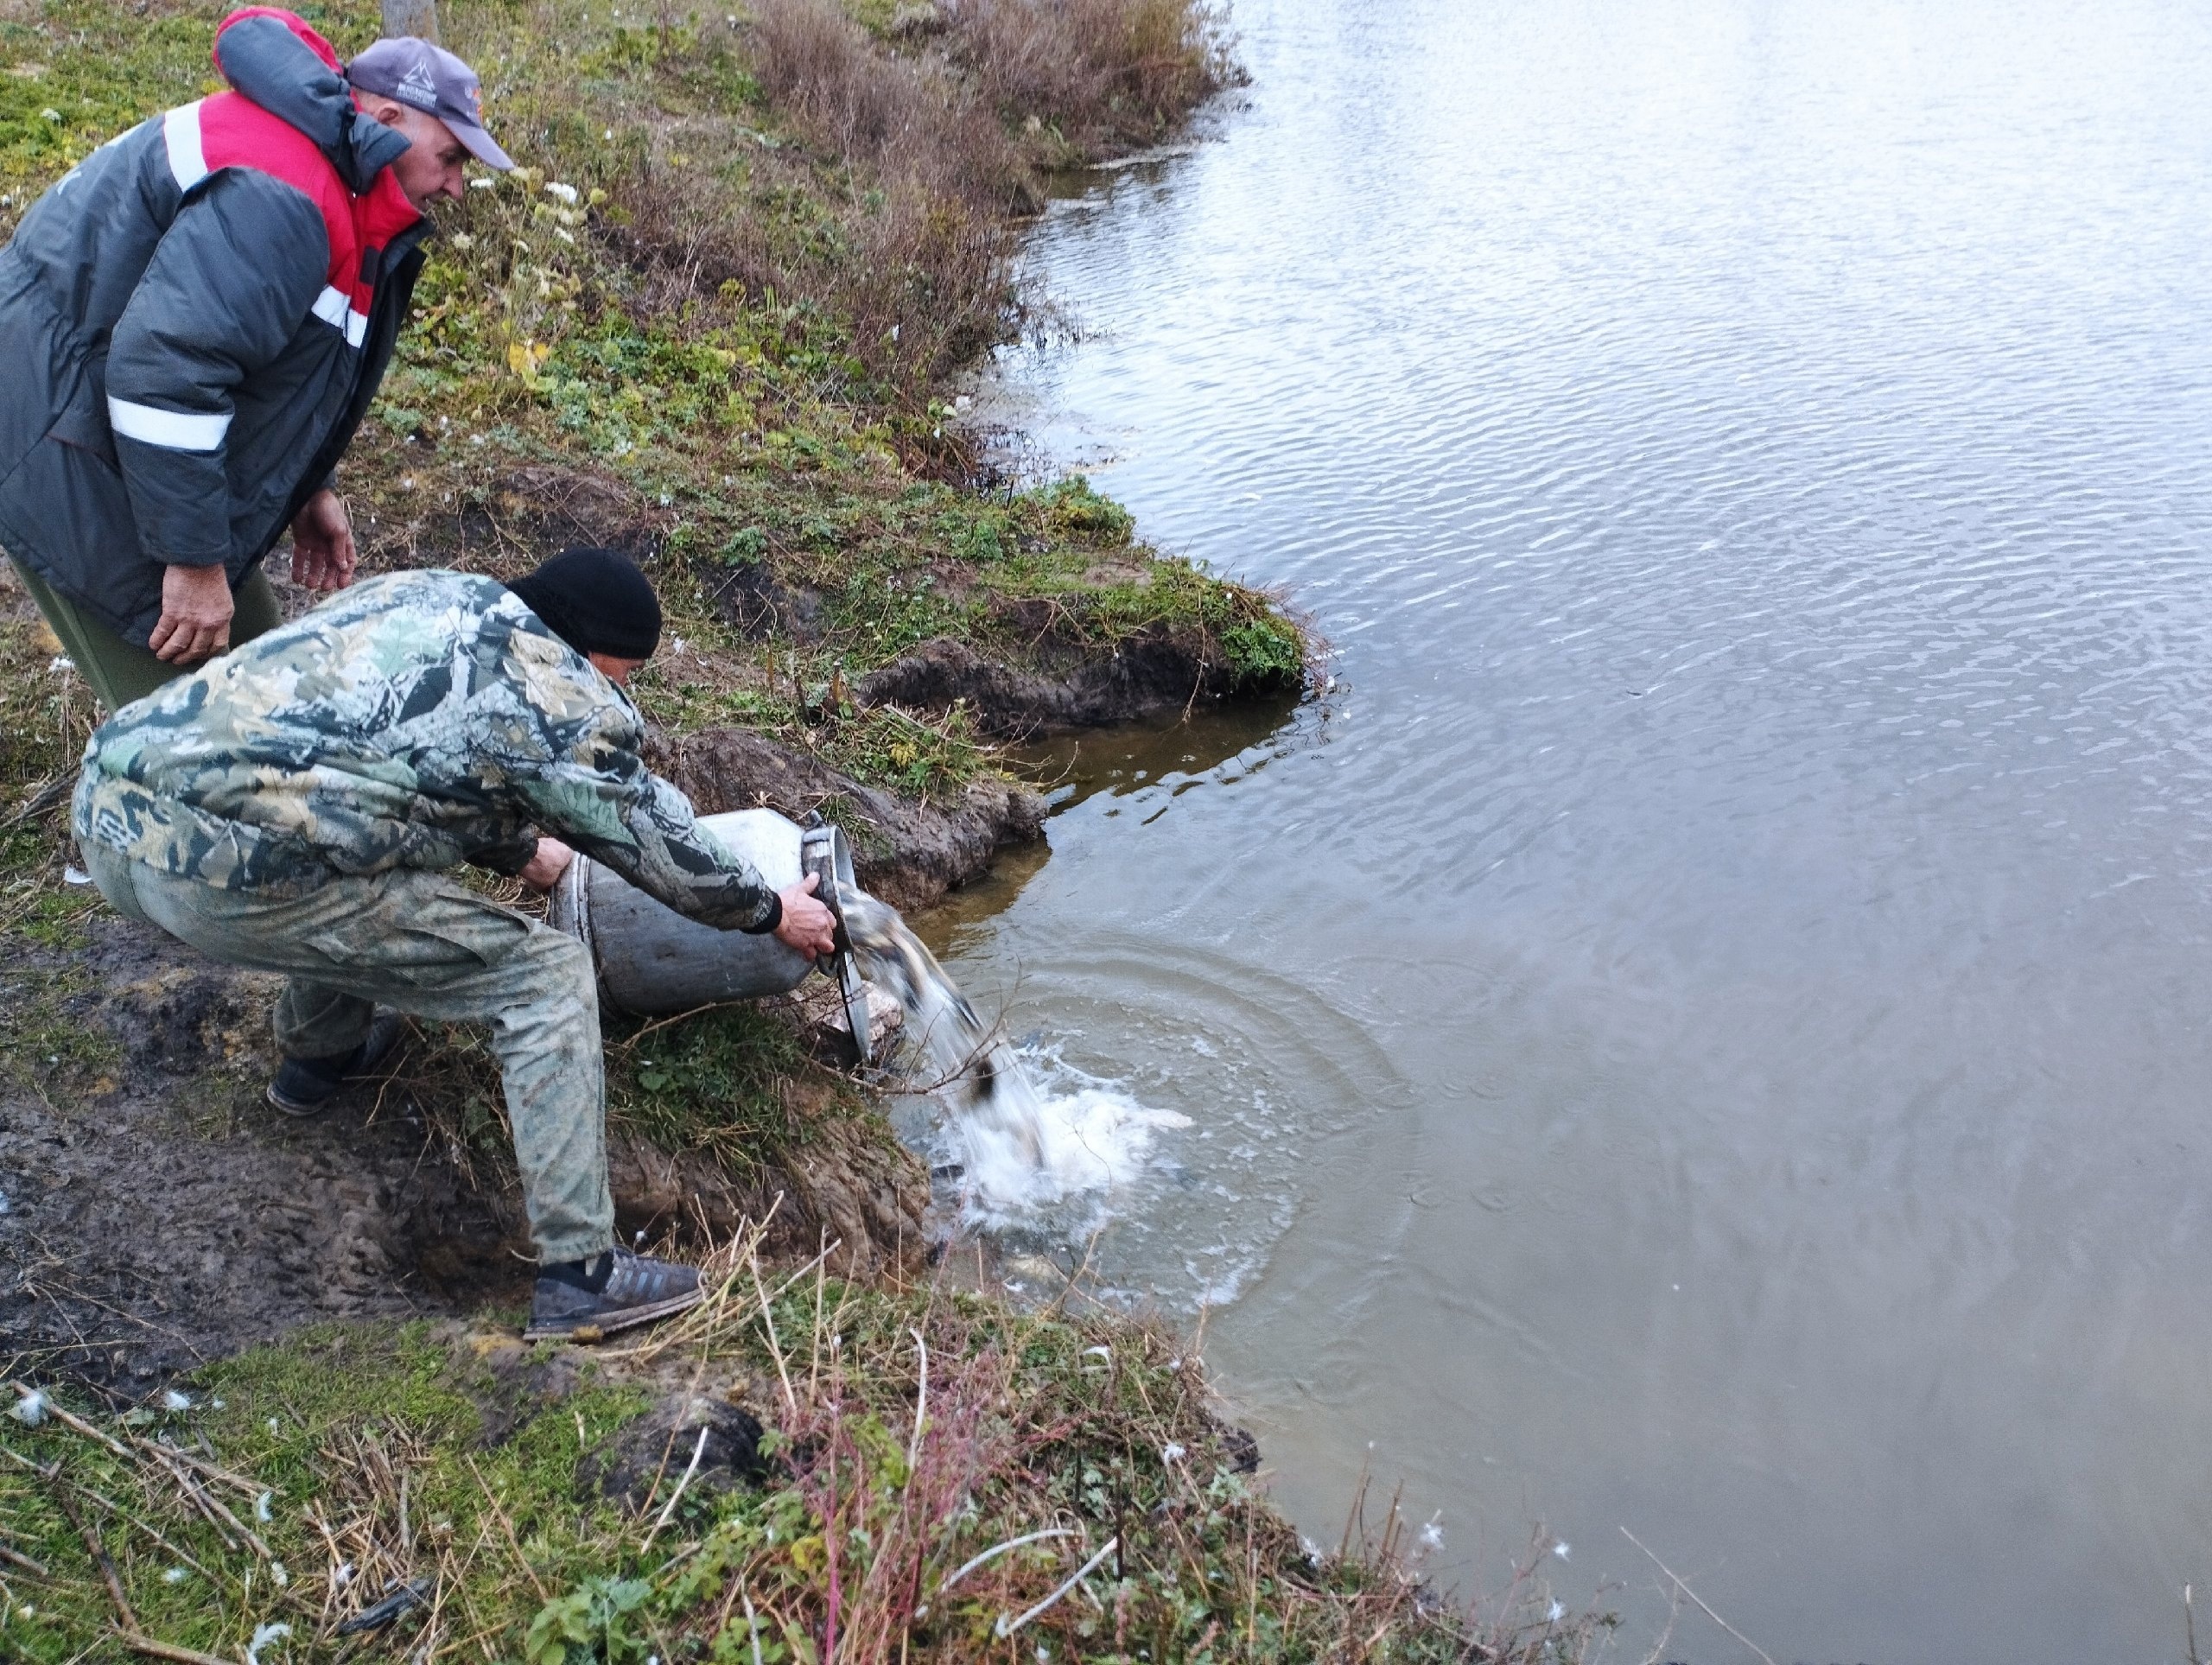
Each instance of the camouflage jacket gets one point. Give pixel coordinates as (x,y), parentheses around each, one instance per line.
(419,720)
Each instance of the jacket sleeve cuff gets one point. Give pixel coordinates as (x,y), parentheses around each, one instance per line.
(775,918)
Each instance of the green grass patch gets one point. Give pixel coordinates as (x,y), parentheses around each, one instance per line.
(360,1460)
(734,1081)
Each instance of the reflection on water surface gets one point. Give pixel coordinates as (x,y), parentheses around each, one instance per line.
(1710,1032)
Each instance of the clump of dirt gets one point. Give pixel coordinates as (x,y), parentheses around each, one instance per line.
(863,1195)
(649,1457)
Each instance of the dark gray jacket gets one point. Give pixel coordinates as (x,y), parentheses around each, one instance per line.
(194,320)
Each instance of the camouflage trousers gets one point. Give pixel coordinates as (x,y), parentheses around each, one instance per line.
(425,946)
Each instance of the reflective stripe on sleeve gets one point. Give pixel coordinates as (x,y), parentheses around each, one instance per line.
(180,130)
(335,308)
(174,430)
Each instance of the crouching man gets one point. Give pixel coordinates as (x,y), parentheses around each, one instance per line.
(296,806)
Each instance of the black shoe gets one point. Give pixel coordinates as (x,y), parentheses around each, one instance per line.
(582,1300)
(304,1086)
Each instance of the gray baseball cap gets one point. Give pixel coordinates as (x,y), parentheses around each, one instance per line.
(429,79)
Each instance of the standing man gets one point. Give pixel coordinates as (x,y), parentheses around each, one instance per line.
(194,320)
(294,807)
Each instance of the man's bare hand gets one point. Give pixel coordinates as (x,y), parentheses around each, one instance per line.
(195,621)
(544,869)
(322,543)
(808,926)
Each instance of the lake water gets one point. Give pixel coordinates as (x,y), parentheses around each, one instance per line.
(1707,1028)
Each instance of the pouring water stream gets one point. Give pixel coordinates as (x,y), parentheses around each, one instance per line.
(1021,1151)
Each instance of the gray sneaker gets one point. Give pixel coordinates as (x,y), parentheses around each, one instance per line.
(583,1300)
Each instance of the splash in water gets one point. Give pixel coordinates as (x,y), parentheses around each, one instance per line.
(1021,1151)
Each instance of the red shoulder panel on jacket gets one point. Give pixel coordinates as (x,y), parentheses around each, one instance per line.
(291,21)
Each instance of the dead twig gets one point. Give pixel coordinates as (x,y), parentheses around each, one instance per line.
(98,1552)
(17,1558)
(1006,1628)
(68,1419)
(1698,1600)
(236,1481)
(208,1504)
(153,1650)
(514,1542)
(775,1347)
(49,793)
(698,1450)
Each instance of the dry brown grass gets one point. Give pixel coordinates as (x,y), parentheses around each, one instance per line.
(948,1480)
(929,155)
(931,185)
(909,118)
(1103,75)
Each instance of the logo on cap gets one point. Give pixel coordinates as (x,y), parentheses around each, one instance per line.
(416,87)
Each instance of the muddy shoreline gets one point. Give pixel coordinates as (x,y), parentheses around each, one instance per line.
(158,1215)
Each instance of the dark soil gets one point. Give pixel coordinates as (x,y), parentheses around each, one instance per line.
(1149,671)
(168,1216)
(176,1218)
(649,1455)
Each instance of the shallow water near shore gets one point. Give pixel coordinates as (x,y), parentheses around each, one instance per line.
(1709,1029)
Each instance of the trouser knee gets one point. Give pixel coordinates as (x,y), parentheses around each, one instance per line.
(556,981)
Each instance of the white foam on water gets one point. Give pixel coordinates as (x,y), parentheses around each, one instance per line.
(1026,1157)
(1090,1143)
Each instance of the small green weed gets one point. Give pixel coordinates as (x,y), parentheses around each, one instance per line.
(591,1623)
(733,1081)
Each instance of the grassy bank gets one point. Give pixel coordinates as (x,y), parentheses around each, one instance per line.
(814,1469)
(710,321)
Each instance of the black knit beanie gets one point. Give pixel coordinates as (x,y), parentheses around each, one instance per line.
(596,601)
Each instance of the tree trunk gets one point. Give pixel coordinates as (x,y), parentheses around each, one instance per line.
(411,18)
